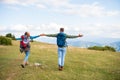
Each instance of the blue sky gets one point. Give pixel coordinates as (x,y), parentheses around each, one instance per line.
(92,18)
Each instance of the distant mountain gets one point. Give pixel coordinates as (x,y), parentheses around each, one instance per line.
(87,42)
(116,45)
(100,40)
(83,44)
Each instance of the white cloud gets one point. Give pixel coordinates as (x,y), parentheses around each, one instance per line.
(3,28)
(65,7)
(101,30)
(86,10)
(113,13)
(91,10)
(19,28)
(34,2)
(41,6)
(9,1)
(20,2)
(56,3)
(34,29)
(97,29)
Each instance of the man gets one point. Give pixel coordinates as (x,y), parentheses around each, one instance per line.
(25,46)
(61,43)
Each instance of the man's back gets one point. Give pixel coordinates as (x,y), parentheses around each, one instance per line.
(61,39)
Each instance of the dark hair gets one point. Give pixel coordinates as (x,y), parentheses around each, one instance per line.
(61,29)
(26,33)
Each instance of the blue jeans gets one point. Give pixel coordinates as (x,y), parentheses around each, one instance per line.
(27,53)
(61,56)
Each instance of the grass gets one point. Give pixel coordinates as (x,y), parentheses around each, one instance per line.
(80,64)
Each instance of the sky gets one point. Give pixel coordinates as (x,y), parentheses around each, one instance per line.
(93,18)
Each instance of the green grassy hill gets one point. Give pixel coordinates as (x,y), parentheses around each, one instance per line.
(80,64)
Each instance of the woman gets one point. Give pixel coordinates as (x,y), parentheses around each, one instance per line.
(25,46)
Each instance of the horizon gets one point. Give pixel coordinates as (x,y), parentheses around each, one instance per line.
(99,40)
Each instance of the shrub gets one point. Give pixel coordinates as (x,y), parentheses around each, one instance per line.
(10,36)
(5,40)
(108,48)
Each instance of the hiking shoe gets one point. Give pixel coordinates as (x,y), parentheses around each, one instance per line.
(22,66)
(59,67)
(26,64)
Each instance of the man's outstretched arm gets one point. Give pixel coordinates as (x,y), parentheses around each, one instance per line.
(49,35)
(73,36)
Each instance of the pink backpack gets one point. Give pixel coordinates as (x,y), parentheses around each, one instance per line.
(22,44)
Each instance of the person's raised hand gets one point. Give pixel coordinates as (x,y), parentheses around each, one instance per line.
(42,35)
(80,35)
